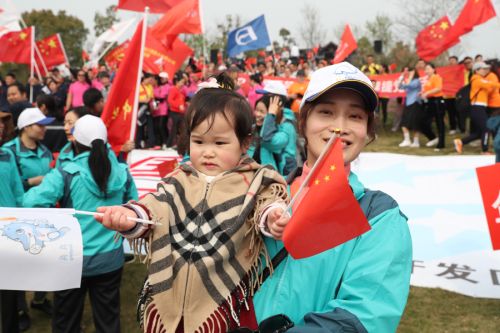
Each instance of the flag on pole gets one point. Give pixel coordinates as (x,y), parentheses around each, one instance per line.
(116,55)
(430,42)
(251,36)
(155,6)
(15,46)
(120,110)
(347,45)
(51,51)
(183,18)
(109,36)
(328,214)
(157,58)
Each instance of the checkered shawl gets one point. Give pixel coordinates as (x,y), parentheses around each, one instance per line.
(208,244)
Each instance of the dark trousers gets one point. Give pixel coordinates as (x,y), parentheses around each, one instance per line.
(161,130)
(433,110)
(8,311)
(177,123)
(145,132)
(478,130)
(104,292)
(383,109)
(449,104)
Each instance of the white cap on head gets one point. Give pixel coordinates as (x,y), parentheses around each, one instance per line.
(273,87)
(163,75)
(342,75)
(480,65)
(89,128)
(32,116)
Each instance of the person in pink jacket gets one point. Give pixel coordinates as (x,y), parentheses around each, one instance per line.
(160,113)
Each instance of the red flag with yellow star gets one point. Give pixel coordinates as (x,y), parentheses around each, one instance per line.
(328,213)
(430,41)
(118,113)
(157,58)
(15,46)
(51,51)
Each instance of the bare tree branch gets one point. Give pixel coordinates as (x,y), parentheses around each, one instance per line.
(311,29)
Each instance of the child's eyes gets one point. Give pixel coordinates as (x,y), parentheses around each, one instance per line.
(220,143)
(198,142)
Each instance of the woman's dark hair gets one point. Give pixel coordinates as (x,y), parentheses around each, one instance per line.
(266,100)
(99,164)
(209,102)
(431,64)
(8,132)
(177,77)
(416,74)
(50,103)
(80,111)
(257,77)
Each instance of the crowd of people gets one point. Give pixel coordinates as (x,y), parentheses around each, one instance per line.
(240,135)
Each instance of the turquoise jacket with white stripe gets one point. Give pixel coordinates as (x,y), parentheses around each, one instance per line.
(12,191)
(359,286)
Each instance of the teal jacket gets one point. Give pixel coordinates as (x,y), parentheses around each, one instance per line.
(73,186)
(278,142)
(29,163)
(493,125)
(359,286)
(66,155)
(12,191)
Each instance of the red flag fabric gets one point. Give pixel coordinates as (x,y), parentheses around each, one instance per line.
(116,55)
(328,213)
(155,6)
(183,18)
(347,45)
(453,78)
(15,46)
(167,167)
(52,51)
(430,41)
(489,183)
(157,58)
(85,56)
(475,12)
(117,114)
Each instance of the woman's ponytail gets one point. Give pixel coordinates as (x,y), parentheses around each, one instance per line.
(99,164)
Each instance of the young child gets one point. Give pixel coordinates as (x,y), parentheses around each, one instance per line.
(204,258)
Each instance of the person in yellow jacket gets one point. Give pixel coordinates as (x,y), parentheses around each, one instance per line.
(480,91)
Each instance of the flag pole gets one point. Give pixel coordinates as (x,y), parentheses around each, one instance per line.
(32,55)
(63,49)
(23,24)
(133,127)
(205,53)
(321,157)
(105,50)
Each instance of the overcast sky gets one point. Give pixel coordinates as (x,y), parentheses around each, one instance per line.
(484,39)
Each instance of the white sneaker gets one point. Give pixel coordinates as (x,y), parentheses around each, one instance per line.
(405,143)
(415,145)
(452,132)
(432,143)
(164,147)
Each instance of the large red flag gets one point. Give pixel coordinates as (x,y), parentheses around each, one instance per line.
(157,58)
(430,41)
(453,78)
(475,12)
(183,18)
(347,45)
(52,51)
(118,114)
(489,183)
(155,6)
(15,46)
(328,213)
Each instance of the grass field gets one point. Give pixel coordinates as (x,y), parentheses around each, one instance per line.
(428,310)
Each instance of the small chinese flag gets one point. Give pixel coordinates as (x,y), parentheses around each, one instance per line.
(155,6)
(328,214)
(116,55)
(158,58)
(430,41)
(489,183)
(118,110)
(15,46)
(52,51)
(347,45)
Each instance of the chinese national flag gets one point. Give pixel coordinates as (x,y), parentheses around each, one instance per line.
(347,45)
(489,183)
(116,55)
(431,40)
(183,18)
(15,46)
(155,6)
(328,213)
(157,58)
(118,110)
(475,12)
(453,78)
(52,51)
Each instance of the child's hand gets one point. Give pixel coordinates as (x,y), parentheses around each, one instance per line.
(115,218)
(277,221)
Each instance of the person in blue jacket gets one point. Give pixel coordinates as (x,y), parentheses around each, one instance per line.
(275,134)
(493,124)
(93,178)
(363,284)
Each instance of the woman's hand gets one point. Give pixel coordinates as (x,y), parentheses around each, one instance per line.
(274,105)
(277,221)
(115,218)
(128,146)
(35,181)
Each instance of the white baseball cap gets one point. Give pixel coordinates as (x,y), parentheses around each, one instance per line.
(89,128)
(273,87)
(342,75)
(480,65)
(32,116)
(163,75)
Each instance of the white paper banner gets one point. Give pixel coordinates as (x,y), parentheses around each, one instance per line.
(40,250)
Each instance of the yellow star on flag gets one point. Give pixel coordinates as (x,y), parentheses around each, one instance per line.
(52,44)
(126,109)
(444,25)
(332,167)
(316,182)
(23,35)
(327,178)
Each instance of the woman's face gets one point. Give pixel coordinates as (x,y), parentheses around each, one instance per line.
(338,109)
(69,122)
(35,132)
(53,86)
(429,70)
(81,76)
(259,113)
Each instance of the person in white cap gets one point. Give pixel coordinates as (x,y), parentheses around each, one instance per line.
(93,178)
(274,140)
(361,285)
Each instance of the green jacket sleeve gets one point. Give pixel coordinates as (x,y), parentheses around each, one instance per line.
(272,138)
(48,193)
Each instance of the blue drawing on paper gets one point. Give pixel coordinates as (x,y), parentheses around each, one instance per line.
(32,234)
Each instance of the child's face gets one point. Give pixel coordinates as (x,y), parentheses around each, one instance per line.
(215,149)
(338,109)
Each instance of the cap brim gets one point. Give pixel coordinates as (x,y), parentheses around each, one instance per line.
(46,121)
(262,91)
(367,92)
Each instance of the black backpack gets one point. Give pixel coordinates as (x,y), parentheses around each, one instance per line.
(462,101)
